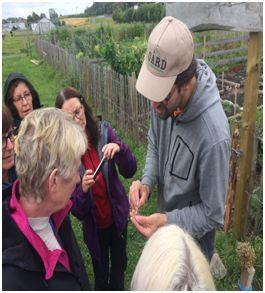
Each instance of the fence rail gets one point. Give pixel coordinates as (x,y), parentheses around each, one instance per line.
(111,94)
(223,41)
(236,49)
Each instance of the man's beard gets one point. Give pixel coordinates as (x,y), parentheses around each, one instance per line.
(164,114)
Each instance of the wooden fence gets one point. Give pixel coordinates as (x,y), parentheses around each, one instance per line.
(111,95)
(234,48)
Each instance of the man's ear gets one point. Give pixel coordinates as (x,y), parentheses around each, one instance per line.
(53,180)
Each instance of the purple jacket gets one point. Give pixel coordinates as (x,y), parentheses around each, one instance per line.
(83,206)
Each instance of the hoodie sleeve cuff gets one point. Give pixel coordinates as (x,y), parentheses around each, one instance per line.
(147,182)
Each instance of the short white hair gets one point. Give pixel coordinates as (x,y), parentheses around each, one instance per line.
(172,261)
(47,139)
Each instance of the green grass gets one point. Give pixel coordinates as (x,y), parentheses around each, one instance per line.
(48,82)
(16,44)
(44,78)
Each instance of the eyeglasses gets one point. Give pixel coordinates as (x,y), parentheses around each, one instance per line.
(10,135)
(77,112)
(27,96)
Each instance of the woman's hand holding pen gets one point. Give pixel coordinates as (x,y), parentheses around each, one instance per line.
(87,180)
(109,150)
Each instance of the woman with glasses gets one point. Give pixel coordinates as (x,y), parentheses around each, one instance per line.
(101,203)
(8,164)
(20,97)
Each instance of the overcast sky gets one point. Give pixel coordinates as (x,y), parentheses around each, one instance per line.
(21,8)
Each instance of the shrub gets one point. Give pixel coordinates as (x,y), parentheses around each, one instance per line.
(152,12)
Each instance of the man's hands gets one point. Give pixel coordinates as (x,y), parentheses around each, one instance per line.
(147,225)
(138,195)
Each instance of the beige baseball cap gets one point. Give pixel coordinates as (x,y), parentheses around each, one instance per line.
(169,52)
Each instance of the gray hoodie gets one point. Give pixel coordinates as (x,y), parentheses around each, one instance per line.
(188,158)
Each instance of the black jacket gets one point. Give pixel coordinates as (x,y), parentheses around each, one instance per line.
(9,101)
(22,268)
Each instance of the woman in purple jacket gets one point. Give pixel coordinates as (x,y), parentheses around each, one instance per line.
(101,204)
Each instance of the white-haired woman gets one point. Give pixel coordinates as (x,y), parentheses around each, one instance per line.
(40,251)
(172,261)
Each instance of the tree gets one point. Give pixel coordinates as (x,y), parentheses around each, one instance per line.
(100,8)
(119,16)
(129,15)
(35,17)
(29,20)
(146,12)
(54,16)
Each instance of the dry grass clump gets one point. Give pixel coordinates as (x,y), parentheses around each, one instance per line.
(246,255)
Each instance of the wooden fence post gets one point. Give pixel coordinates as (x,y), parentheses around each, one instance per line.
(204,47)
(247,134)
(258,217)
(230,196)
(29,47)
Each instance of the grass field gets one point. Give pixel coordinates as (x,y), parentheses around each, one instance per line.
(78,21)
(89,22)
(48,82)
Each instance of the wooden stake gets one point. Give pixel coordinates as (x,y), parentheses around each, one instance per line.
(204,47)
(232,179)
(247,133)
(246,277)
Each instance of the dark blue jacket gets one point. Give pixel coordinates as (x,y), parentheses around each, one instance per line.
(7,186)
(83,207)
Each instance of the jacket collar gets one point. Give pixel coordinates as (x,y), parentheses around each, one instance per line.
(49,258)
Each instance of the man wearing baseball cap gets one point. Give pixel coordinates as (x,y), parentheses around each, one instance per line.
(188,140)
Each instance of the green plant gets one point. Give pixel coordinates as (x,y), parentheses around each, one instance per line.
(122,59)
(229,107)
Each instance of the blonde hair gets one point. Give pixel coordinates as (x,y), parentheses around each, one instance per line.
(172,261)
(47,139)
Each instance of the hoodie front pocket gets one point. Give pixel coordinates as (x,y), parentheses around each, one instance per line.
(181,159)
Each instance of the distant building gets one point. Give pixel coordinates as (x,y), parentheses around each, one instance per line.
(20,25)
(44,26)
(242,17)
(33,25)
(7,27)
